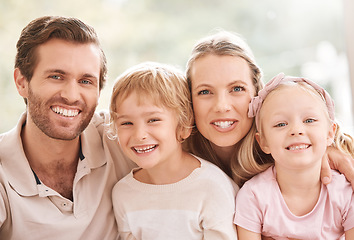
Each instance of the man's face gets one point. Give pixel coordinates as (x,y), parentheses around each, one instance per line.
(64,90)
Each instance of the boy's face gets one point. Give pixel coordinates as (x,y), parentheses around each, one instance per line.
(146,132)
(294,128)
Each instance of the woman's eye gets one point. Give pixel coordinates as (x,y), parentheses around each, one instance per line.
(204,92)
(238,89)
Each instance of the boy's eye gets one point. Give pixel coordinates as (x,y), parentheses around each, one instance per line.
(126,123)
(204,92)
(153,120)
(280,125)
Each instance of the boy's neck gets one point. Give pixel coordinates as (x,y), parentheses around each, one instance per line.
(300,188)
(167,174)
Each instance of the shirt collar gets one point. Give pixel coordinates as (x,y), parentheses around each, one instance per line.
(17,169)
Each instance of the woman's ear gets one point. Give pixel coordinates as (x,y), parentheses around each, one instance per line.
(21,83)
(262,143)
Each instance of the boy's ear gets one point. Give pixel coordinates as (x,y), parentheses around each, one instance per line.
(184,133)
(262,143)
(331,134)
(21,83)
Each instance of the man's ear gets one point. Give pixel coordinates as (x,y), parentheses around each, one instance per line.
(331,133)
(262,143)
(21,83)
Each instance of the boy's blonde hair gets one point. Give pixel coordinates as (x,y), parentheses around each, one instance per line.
(164,84)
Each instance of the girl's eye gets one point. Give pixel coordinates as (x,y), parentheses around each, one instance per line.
(204,92)
(238,89)
(310,120)
(280,125)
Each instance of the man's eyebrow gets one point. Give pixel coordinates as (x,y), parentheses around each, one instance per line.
(85,75)
(88,75)
(55,71)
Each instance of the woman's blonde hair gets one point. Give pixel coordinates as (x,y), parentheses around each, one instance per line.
(164,84)
(248,159)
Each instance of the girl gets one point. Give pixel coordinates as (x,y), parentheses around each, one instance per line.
(223,76)
(172,194)
(295,123)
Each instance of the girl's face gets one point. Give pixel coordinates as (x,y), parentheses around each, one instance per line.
(295,128)
(222,89)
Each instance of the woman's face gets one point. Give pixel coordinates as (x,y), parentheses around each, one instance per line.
(222,89)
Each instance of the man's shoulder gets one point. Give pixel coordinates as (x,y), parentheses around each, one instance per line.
(100,117)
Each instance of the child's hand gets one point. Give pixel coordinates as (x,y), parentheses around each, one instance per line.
(337,160)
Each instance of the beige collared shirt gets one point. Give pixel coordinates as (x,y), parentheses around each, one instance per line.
(31,210)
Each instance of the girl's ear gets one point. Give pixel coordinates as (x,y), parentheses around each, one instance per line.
(262,143)
(331,134)
(21,83)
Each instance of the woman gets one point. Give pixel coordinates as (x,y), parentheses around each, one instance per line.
(223,77)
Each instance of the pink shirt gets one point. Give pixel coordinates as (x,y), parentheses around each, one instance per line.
(260,208)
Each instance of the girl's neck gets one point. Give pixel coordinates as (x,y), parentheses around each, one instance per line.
(299,188)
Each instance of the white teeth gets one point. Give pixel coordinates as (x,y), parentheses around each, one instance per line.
(298,147)
(65,112)
(145,149)
(224,124)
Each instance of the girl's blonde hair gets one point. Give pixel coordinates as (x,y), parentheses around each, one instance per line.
(164,84)
(342,141)
(248,159)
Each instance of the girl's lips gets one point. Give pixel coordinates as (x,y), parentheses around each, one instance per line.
(298,147)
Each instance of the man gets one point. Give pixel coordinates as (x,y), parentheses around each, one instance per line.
(57,172)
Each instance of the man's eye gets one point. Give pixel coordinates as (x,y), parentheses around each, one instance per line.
(204,92)
(57,77)
(86,82)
